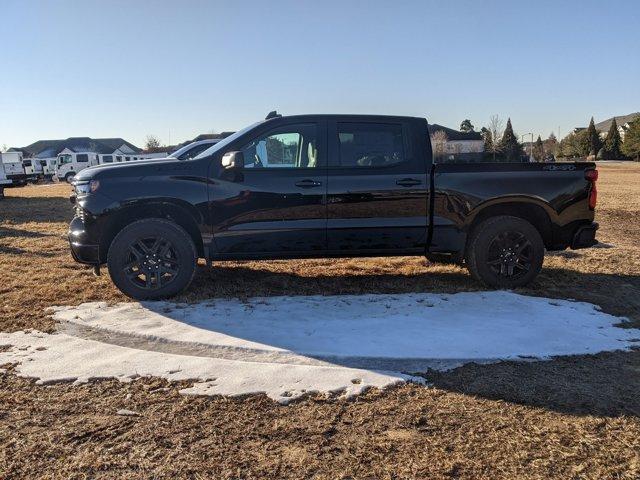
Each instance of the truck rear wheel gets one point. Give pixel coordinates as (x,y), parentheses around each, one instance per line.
(505,252)
(152,259)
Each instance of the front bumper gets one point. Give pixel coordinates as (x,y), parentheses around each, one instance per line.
(83,250)
(585,236)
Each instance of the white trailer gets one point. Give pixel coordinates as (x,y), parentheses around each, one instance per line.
(70,163)
(13,168)
(4,181)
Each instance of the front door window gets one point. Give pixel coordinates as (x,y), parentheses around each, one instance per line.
(294,146)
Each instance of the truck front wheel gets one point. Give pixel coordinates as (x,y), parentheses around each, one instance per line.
(151,259)
(505,252)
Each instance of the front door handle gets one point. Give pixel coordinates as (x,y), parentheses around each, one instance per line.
(308,184)
(408,182)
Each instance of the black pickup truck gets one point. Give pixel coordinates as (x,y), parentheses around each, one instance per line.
(326,186)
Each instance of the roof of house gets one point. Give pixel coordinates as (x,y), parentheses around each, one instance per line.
(51,148)
(454,134)
(621,120)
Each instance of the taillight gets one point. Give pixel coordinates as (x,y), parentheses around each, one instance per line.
(592,176)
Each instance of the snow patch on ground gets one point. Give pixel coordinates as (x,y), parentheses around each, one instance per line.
(60,357)
(289,346)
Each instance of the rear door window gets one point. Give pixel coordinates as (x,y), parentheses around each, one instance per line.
(82,157)
(370,145)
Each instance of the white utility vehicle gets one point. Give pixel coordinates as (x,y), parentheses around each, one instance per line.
(13,168)
(4,181)
(33,169)
(48,166)
(69,164)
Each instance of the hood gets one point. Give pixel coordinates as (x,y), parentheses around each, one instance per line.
(135,168)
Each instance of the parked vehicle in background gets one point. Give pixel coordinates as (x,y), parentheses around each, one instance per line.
(48,167)
(327,186)
(193,149)
(107,159)
(33,169)
(70,163)
(13,168)
(4,181)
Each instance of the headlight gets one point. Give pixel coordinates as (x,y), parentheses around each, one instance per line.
(88,187)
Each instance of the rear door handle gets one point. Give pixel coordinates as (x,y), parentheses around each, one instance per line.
(308,184)
(408,182)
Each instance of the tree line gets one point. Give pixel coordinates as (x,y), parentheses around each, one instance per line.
(588,143)
(501,144)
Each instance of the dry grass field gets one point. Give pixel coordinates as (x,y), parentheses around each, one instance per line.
(573,417)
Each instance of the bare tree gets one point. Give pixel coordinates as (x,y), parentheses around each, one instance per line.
(439,141)
(496,129)
(3,148)
(152,142)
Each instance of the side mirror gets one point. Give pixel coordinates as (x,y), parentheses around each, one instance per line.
(233,160)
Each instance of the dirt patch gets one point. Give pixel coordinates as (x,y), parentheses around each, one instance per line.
(407,432)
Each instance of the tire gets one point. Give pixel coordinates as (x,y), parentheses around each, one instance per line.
(68,177)
(152,259)
(505,252)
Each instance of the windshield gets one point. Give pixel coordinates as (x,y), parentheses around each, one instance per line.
(223,143)
(191,151)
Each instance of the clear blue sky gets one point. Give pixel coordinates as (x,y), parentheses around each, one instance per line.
(132,68)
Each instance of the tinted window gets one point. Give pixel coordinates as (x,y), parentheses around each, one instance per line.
(118,158)
(293,146)
(370,144)
(82,157)
(107,158)
(194,152)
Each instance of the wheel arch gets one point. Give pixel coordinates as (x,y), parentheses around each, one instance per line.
(535,212)
(175,211)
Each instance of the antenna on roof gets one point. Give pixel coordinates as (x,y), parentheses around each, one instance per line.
(273,114)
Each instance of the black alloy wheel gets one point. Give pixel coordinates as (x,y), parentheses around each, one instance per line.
(151,259)
(152,263)
(510,254)
(505,252)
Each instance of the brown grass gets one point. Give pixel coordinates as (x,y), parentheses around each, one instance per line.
(575,417)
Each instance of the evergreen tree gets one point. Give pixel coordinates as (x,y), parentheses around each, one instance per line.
(466,126)
(595,144)
(612,149)
(511,148)
(538,149)
(575,145)
(551,146)
(631,144)
(488,143)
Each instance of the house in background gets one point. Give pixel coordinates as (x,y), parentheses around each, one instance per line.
(47,149)
(623,122)
(603,127)
(453,146)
